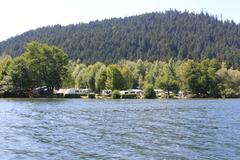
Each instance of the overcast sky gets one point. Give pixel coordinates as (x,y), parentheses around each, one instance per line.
(18,16)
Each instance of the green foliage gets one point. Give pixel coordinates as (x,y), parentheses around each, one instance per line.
(167,96)
(72,96)
(204,79)
(129,96)
(80,80)
(68,80)
(151,36)
(149,92)
(6,84)
(128,78)
(230,93)
(91,75)
(5,79)
(43,65)
(168,81)
(14,94)
(229,82)
(115,80)
(91,96)
(201,78)
(193,77)
(101,78)
(20,74)
(209,69)
(116,94)
(167,84)
(40,65)
(5,61)
(181,75)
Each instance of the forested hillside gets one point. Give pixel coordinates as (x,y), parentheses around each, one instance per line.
(150,36)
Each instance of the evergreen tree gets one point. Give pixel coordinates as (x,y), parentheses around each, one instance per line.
(151,36)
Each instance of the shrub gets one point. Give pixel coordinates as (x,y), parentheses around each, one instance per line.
(72,96)
(1,95)
(230,93)
(129,96)
(91,96)
(15,95)
(116,94)
(149,92)
(108,95)
(165,96)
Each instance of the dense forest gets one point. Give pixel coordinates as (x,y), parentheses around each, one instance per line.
(151,36)
(44,65)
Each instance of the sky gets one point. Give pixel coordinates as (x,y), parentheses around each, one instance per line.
(18,16)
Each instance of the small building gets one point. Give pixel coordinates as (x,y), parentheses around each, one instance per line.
(63,92)
(159,92)
(106,92)
(60,92)
(85,91)
(72,91)
(135,91)
(124,92)
(132,91)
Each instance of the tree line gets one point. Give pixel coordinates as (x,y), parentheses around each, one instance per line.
(44,65)
(150,37)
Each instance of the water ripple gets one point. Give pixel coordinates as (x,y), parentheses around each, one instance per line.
(121,129)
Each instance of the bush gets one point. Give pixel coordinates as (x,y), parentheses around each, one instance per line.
(72,96)
(83,94)
(166,96)
(129,96)
(1,95)
(91,96)
(108,95)
(15,95)
(149,92)
(230,93)
(116,94)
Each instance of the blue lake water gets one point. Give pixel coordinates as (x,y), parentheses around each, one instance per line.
(73,129)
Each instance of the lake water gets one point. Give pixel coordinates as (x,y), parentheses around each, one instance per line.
(73,129)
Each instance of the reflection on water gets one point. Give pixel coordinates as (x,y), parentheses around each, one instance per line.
(121,129)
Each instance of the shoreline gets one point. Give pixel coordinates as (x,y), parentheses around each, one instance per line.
(85,98)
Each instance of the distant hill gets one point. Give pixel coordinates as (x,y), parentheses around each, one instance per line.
(151,36)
